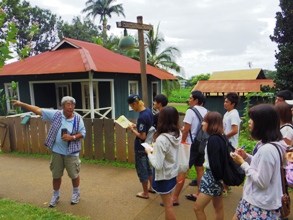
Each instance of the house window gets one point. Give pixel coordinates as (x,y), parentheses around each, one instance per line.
(11,94)
(86,95)
(132,89)
(62,89)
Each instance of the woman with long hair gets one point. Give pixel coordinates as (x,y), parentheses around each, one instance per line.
(262,190)
(286,127)
(216,153)
(164,158)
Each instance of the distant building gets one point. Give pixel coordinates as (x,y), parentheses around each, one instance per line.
(182,83)
(239,81)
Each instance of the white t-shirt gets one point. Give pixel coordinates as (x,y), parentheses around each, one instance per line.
(192,119)
(287,132)
(232,118)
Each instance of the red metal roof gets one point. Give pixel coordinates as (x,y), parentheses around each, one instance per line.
(219,86)
(71,56)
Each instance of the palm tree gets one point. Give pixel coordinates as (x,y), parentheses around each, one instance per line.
(166,58)
(104,9)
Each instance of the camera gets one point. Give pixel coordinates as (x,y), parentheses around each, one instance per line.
(63,131)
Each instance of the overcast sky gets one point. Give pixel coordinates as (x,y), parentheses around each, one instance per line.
(212,35)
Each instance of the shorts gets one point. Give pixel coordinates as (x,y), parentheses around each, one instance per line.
(59,162)
(142,166)
(163,186)
(196,158)
(210,186)
(245,211)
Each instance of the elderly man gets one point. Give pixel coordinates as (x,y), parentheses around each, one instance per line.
(64,139)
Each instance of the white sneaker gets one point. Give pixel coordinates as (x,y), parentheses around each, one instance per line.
(54,201)
(75,198)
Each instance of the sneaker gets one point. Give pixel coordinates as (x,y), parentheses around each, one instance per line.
(54,201)
(225,193)
(193,183)
(229,189)
(75,198)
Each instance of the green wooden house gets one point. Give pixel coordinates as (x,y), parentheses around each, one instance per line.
(99,79)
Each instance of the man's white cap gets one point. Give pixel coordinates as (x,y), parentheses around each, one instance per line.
(290,102)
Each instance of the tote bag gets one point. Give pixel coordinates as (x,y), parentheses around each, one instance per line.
(183,157)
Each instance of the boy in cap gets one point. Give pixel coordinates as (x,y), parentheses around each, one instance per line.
(140,129)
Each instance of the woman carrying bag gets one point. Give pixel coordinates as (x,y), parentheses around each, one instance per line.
(216,155)
(262,191)
(164,158)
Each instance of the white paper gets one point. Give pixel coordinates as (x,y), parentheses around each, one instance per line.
(123,121)
(147,146)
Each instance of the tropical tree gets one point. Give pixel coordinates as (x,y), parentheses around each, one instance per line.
(283,37)
(193,80)
(163,59)
(8,33)
(79,30)
(25,17)
(104,9)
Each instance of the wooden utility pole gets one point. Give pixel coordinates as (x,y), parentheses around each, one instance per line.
(140,27)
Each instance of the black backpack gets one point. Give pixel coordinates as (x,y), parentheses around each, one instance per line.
(233,175)
(200,141)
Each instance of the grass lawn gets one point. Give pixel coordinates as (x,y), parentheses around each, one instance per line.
(181,107)
(12,210)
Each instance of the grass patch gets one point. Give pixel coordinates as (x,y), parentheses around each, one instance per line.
(181,107)
(12,210)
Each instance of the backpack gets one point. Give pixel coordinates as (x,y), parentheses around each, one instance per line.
(150,135)
(233,175)
(285,125)
(200,140)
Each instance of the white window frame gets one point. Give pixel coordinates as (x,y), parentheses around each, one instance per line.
(9,94)
(130,85)
(86,95)
(68,89)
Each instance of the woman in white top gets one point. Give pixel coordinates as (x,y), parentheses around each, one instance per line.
(165,157)
(284,112)
(262,190)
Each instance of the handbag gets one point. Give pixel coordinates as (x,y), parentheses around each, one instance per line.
(285,208)
(183,157)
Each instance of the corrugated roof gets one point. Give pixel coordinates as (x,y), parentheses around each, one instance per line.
(225,86)
(238,75)
(71,56)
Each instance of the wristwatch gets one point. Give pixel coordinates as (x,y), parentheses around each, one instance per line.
(74,137)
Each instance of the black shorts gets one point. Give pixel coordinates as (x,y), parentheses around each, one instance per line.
(196,159)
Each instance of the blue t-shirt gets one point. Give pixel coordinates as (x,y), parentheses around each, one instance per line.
(144,122)
(60,146)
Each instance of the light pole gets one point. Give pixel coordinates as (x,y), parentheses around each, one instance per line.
(140,27)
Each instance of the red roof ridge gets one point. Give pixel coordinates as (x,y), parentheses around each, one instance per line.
(87,60)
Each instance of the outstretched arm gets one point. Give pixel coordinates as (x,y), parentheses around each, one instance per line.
(35,109)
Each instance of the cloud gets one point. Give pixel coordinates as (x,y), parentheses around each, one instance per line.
(211,35)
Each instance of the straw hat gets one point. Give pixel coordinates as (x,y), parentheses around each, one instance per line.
(289,156)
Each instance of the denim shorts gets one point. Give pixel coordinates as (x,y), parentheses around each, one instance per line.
(142,166)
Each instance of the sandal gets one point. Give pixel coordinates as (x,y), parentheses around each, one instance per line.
(140,195)
(191,197)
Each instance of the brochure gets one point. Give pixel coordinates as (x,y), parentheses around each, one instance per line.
(147,146)
(123,121)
